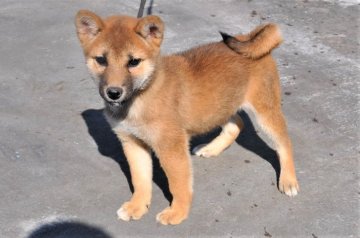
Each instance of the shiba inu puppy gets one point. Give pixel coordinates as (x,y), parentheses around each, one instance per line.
(156,103)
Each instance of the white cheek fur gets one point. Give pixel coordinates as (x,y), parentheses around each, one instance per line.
(141,81)
(94,69)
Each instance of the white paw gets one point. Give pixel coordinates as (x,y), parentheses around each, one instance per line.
(122,214)
(289,185)
(291,192)
(205,151)
(170,216)
(130,210)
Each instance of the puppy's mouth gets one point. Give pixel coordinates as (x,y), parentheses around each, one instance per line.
(116,103)
(118,109)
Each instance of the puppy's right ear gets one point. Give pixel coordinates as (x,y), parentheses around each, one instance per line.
(88,25)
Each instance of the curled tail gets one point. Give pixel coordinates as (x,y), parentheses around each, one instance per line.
(257,43)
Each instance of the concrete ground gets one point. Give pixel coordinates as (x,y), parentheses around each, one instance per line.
(62,172)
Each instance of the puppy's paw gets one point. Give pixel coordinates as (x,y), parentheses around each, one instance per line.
(170,216)
(288,185)
(130,210)
(206,151)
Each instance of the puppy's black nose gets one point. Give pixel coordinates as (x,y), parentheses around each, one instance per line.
(114,93)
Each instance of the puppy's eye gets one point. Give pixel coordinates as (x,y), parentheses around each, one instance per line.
(134,62)
(101,60)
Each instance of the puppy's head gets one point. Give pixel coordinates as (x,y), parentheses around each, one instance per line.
(121,52)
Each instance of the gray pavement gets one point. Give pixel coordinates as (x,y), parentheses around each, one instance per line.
(62,172)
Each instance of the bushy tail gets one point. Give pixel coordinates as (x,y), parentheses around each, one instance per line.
(257,43)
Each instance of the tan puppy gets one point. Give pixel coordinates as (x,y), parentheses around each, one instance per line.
(156,103)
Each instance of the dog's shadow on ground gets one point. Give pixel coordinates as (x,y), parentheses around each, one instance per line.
(248,139)
(109,146)
(68,229)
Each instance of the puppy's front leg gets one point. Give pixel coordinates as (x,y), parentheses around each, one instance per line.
(139,158)
(174,157)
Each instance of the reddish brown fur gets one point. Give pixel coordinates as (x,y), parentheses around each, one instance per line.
(183,95)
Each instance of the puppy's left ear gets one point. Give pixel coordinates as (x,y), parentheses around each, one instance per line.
(151,28)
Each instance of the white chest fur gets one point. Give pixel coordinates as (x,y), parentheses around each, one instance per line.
(128,127)
(132,124)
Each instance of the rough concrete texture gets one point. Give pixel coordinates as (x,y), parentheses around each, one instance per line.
(62,170)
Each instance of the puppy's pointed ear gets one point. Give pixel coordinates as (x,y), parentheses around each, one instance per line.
(151,28)
(88,25)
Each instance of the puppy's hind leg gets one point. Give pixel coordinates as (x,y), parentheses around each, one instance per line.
(228,135)
(272,121)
